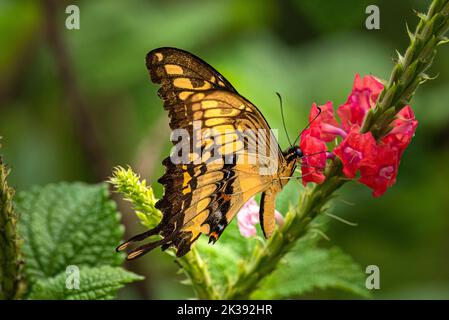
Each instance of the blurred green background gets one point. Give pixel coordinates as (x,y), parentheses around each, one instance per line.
(75,103)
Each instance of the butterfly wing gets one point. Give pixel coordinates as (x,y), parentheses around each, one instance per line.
(223,166)
(180,75)
(203,195)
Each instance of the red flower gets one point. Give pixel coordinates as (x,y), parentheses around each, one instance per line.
(404,127)
(355,148)
(314,159)
(363,97)
(326,124)
(378,163)
(379,170)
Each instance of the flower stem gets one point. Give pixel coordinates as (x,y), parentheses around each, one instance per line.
(407,75)
(198,274)
(10,257)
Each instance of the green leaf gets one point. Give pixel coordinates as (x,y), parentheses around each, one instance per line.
(68,224)
(94,283)
(309,267)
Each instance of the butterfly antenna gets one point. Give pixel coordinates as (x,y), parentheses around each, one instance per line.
(283,119)
(308,125)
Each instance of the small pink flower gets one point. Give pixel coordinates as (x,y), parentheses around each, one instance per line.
(248,217)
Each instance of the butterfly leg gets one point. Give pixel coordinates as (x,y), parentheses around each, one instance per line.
(266,213)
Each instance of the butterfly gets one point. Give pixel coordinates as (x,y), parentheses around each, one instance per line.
(219,173)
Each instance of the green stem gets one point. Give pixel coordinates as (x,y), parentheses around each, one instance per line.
(407,75)
(198,274)
(409,71)
(10,257)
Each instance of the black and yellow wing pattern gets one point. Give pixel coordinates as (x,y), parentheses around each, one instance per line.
(221,170)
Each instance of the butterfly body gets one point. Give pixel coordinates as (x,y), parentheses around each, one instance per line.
(224,154)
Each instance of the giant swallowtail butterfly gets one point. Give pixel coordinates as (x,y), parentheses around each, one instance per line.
(224,169)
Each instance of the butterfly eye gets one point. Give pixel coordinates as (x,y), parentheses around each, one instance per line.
(298,152)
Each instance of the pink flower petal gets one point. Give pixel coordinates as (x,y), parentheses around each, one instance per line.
(248,217)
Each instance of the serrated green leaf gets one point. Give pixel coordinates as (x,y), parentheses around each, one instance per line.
(309,267)
(94,283)
(68,224)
